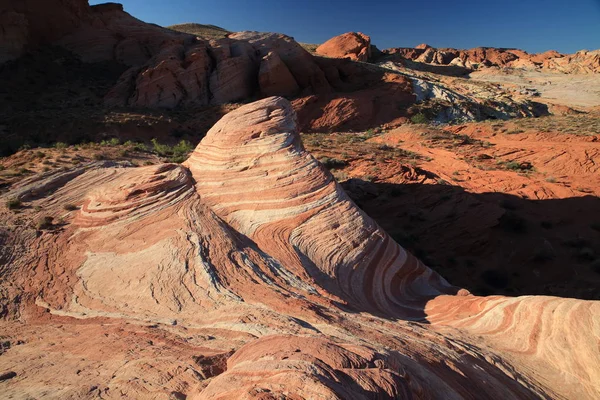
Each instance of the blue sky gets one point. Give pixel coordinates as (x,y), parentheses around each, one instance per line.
(532,25)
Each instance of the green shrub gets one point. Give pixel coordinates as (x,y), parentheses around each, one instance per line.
(44,223)
(60,145)
(183,148)
(13,204)
(135,146)
(175,154)
(162,150)
(332,163)
(419,118)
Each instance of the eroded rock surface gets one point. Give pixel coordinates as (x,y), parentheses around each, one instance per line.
(353,45)
(582,62)
(250,258)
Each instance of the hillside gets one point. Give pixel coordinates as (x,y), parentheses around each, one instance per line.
(200,30)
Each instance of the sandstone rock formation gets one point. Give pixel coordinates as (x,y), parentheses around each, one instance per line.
(170,70)
(251,258)
(353,45)
(583,62)
(275,78)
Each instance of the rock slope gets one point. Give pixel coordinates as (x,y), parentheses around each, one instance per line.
(251,256)
(173,70)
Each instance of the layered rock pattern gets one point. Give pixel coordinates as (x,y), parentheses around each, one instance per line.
(296,292)
(582,62)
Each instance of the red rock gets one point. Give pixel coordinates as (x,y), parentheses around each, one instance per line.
(233,80)
(275,79)
(247,272)
(582,62)
(353,45)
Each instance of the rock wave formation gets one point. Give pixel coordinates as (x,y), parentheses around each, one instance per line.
(252,255)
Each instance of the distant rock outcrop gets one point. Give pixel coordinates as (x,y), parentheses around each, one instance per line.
(581,62)
(169,69)
(353,45)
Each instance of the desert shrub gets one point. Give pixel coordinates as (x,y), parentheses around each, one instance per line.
(110,143)
(60,145)
(385,147)
(162,150)
(99,156)
(419,118)
(519,166)
(13,204)
(332,163)
(368,178)
(135,146)
(183,148)
(175,154)
(181,151)
(70,207)
(340,176)
(44,223)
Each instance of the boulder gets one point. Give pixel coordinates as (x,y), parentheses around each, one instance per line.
(353,45)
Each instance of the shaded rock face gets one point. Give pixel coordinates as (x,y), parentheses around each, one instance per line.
(169,69)
(581,62)
(252,240)
(275,78)
(353,45)
(29,23)
(220,71)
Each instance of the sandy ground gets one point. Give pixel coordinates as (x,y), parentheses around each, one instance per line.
(571,90)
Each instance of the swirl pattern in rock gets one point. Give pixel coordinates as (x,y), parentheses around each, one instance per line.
(298,213)
(248,273)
